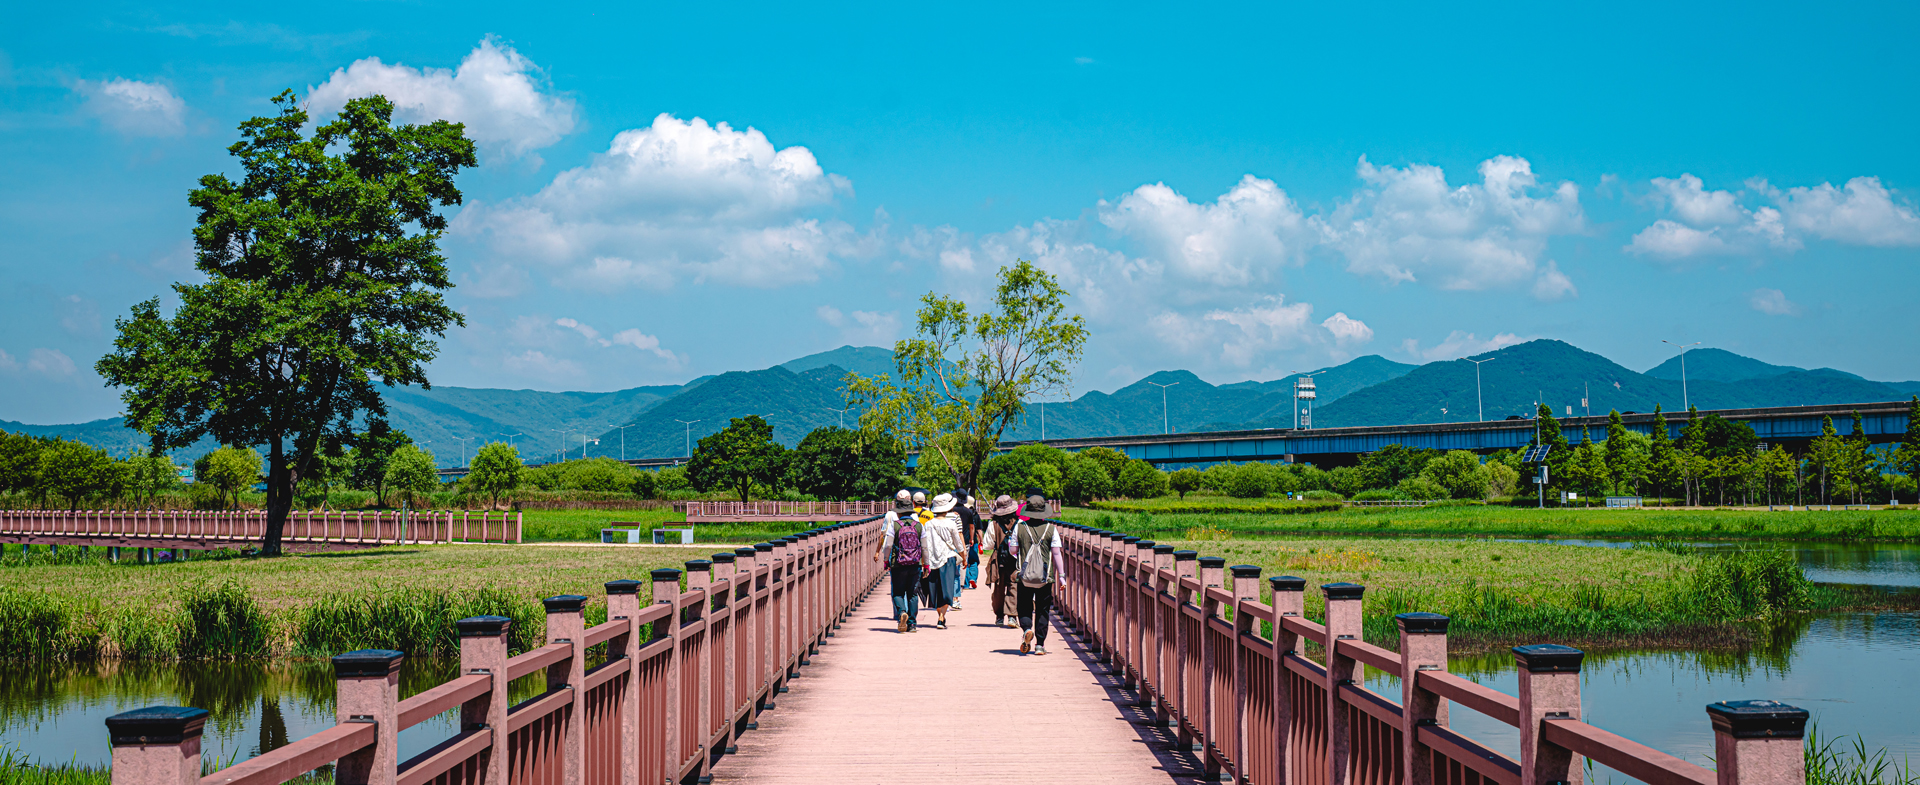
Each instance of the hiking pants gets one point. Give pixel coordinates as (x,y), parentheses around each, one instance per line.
(1004,594)
(1036,605)
(906,591)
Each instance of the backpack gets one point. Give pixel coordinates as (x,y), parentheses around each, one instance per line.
(1036,553)
(906,543)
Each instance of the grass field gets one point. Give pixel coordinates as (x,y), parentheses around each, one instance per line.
(1453,521)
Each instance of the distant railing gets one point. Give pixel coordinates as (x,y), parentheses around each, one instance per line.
(683,677)
(219,528)
(1231,676)
(773,510)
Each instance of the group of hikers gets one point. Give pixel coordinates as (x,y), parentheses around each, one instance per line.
(938,548)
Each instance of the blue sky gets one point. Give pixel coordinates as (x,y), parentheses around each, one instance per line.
(1240,192)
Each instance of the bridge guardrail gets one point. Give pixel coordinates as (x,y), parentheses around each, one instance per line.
(682,678)
(1231,676)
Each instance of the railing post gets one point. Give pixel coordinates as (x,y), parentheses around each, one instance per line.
(700,579)
(666,591)
(1549,690)
(368,685)
(1289,600)
(1161,673)
(723,569)
(1186,566)
(1212,576)
(1758,743)
(1343,623)
(1140,593)
(1423,647)
(158,745)
(483,649)
(565,624)
(623,602)
(1246,590)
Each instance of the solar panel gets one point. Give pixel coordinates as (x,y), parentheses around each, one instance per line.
(1535,454)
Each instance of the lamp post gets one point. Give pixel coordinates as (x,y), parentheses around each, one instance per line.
(1476,386)
(510,437)
(1684,402)
(562,456)
(1303,390)
(1164,430)
(623,440)
(689,424)
(463,449)
(842,413)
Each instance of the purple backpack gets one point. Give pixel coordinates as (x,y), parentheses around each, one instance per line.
(906,543)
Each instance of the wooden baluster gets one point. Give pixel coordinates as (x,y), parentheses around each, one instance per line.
(1210,746)
(565,624)
(1549,690)
(368,690)
(1423,648)
(1343,624)
(700,579)
(483,649)
(159,745)
(1758,742)
(666,591)
(623,603)
(1289,600)
(1185,566)
(1246,590)
(723,570)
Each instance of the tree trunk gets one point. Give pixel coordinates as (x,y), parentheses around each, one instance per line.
(279,498)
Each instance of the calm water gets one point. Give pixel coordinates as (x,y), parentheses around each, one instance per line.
(1857,673)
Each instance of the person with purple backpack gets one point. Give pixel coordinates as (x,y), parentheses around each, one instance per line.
(906,561)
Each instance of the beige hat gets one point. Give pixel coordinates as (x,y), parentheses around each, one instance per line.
(903,499)
(943,503)
(1005,505)
(919,497)
(1037,503)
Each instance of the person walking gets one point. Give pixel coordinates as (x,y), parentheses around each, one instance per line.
(970,537)
(1036,542)
(905,558)
(941,542)
(1000,562)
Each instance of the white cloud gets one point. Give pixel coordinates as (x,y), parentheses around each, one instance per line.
(592,335)
(1408,223)
(1234,240)
(496,92)
(1347,331)
(1267,326)
(7,363)
(133,107)
(51,363)
(1863,212)
(644,342)
(1672,240)
(1772,302)
(1459,344)
(1551,284)
(494,281)
(679,200)
(861,327)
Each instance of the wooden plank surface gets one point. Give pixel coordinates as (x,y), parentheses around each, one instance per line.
(959,704)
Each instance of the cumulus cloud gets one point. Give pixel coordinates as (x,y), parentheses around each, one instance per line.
(1459,344)
(1551,284)
(499,94)
(133,107)
(678,200)
(861,327)
(1347,331)
(1772,302)
(1232,241)
(1252,336)
(1704,222)
(1863,212)
(629,337)
(1408,223)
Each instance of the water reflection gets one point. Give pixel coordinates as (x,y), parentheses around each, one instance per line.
(1875,564)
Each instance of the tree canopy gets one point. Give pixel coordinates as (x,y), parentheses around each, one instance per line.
(843,464)
(740,456)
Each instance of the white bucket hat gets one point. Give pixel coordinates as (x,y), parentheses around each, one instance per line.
(943,503)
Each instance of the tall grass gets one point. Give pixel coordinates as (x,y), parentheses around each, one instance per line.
(220,620)
(1829,762)
(38,625)
(412,621)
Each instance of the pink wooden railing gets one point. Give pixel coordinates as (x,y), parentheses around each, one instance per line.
(774,510)
(1230,675)
(682,678)
(350,527)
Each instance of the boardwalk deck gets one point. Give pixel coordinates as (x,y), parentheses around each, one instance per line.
(959,704)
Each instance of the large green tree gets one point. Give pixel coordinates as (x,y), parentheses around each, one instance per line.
(841,464)
(1662,469)
(740,456)
(19,457)
(76,472)
(972,373)
(324,278)
(367,463)
(1906,457)
(228,470)
(412,472)
(495,470)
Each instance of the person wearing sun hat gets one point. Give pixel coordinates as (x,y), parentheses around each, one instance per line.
(1002,514)
(906,564)
(1036,546)
(942,543)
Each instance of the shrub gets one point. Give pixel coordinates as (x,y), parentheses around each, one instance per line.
(1139,480)
(1460,472)
(1377,495)
(1185,481)
(1419,489)
(1247,481)
(1322,496)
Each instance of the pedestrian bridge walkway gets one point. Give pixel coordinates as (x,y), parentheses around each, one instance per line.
(778,663)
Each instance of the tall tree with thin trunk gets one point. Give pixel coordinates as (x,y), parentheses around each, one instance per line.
(323,278)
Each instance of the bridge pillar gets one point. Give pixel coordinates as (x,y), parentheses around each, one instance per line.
(158,745)
(368,690)
(1246,590)
(1758,743)
(623,602)
(1549,689)
(483,649)
(1423,647)
(1343,624)
(566,625)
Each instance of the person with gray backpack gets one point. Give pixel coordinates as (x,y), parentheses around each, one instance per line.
(905,559)
(1036,546)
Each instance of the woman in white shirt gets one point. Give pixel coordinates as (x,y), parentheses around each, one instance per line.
(942,544)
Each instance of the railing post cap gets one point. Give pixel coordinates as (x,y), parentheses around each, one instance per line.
(1185,555)
(744,553)
(699,565)
(1287,583)
(1130,539)
(1162,550)
(565,603)
(156,725)
(1145,545)
(482,626)
(665,574)
(1343,591)
(725,557)
(1758,719)
(1245,571)
(623,586)
(763,547)
(1212,562)
(1115,536)
(367,663)
(1422,623)
(1548,658)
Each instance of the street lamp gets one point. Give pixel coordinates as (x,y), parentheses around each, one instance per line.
(509,437)
(1476,386)
(689,424)
(562,456)
(623,440)
(1684,403)
(841,412)
(1303,390)
(1164,430)
(463,449)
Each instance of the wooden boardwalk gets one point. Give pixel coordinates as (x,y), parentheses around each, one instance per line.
(953,705)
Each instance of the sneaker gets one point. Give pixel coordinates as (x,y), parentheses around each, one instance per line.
(1026,641)
(942,624)
(973,585)
(956,605)
(1039,650)
(999,621)
(905,624)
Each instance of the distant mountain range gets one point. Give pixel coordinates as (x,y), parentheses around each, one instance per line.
(803,394)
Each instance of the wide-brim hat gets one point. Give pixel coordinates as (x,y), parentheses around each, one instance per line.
(903,500)
(1005,505)
(943,503)
(1037,503)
